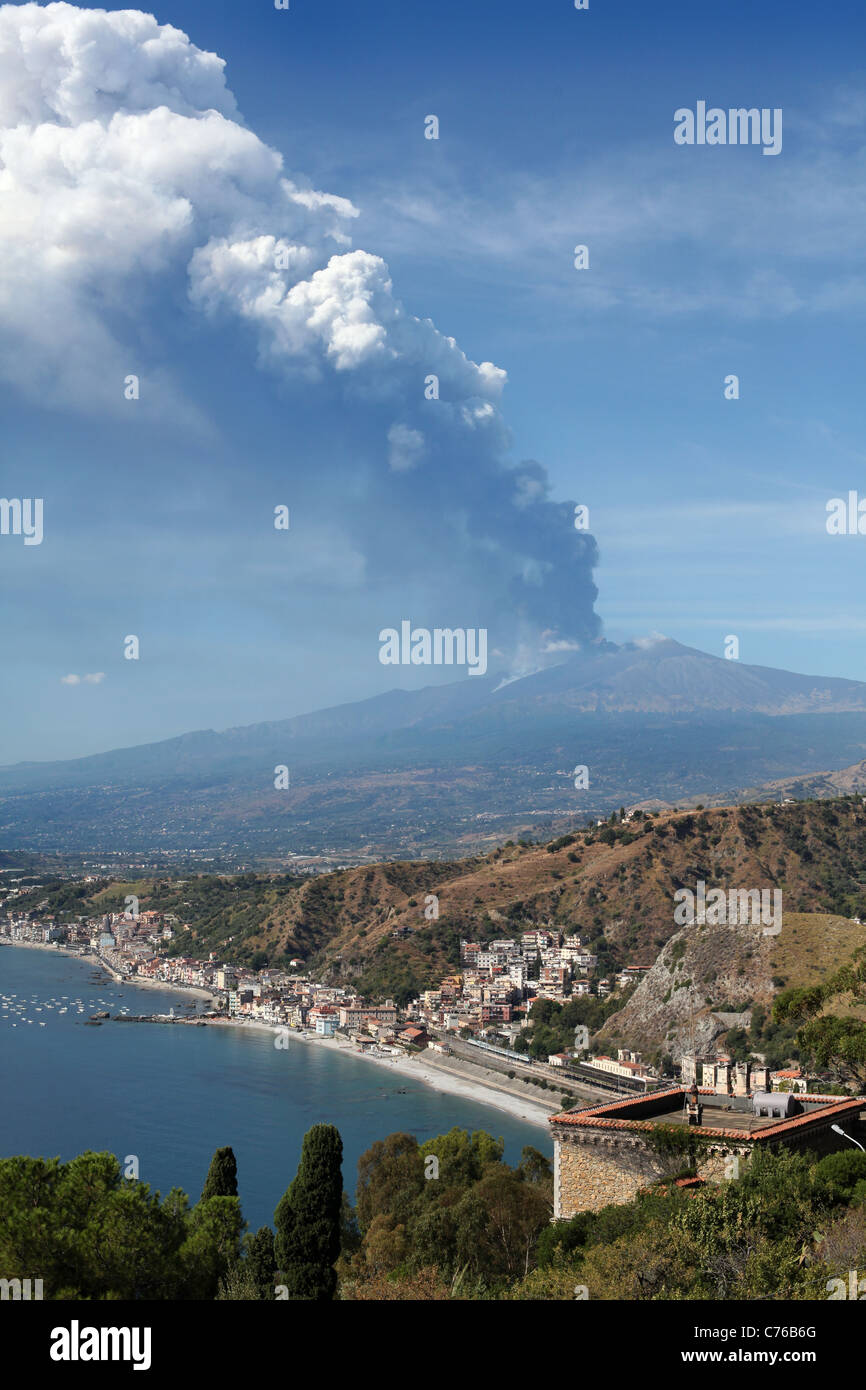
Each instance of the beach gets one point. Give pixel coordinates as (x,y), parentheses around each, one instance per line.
(453,1078)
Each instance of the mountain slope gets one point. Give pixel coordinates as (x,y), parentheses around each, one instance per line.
(710,979)
(453,768)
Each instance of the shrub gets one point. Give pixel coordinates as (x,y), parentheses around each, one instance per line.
(839,1174)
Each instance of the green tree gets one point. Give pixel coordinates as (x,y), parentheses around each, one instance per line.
(261,1262)
(222,1176)
(463,1158)
(252,1278)
(308,1218)
(390,1177)
(828,1040)
(89,1233)
(837,1043)
(515,1214)
(386,1244)
(771,1208)
(839,1175)
(212,1246)
(350,1232)
(534,1167)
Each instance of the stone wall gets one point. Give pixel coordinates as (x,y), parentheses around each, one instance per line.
(717,1166)
(593,1169)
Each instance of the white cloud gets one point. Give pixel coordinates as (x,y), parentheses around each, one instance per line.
(344,314)
(58,62)
(92,678)
(129,172)
(122,159)
(406,448)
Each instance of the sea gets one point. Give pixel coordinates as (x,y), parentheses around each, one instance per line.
(168,1096)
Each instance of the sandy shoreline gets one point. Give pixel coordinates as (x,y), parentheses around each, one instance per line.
(411,1067)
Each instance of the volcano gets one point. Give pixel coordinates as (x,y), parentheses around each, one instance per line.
(449,768)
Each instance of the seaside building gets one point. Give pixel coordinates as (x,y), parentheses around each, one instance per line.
(353,1016)
(324,1018)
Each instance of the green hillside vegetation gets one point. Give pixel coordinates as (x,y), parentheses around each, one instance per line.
(551,1025)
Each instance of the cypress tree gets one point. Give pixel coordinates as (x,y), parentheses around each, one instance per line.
(260,1262)
(308,1218)
(222,1177)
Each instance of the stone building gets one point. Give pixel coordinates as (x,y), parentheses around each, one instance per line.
(723,1076)
(604,1154)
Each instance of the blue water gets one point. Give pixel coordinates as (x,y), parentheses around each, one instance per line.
(171,1095)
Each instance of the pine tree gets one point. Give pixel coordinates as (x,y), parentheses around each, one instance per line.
(308,1218)
(222,1177)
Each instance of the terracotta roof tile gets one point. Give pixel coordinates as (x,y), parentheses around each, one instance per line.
(600,1117)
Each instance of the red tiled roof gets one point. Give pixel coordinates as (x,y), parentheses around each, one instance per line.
(690,1185)
(601,1118)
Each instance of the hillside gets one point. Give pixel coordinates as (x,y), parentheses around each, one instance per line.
(842,782)
(613,885)
(709,980)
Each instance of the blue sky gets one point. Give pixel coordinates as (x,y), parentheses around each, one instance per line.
(555,129)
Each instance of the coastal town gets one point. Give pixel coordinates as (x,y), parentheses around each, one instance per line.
(478,1014)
